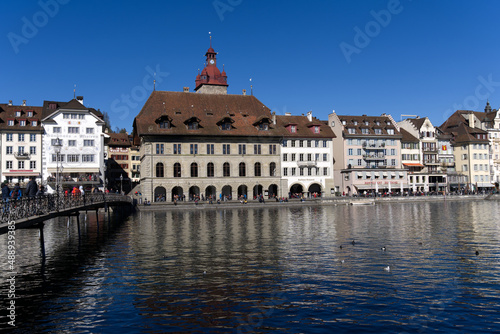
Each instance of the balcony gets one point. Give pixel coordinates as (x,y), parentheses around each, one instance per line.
(373,145)
(22,155)
(374,156)
(307,163)
(431,162)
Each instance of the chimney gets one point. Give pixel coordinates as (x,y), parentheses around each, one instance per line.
(80,99)
(244,92)
(274,117)
(10,102)
(186,89)
(471,119)
(24,102)
(310,116)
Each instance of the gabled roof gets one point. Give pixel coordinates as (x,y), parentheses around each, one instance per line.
(71,105)
(8,112)
(408,137)
(417,122)
(119,139)
(303,127)
(243,110)
(358,123)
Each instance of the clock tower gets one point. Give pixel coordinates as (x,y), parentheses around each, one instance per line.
(211,80)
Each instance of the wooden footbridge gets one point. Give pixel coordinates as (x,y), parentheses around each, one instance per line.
(31,212)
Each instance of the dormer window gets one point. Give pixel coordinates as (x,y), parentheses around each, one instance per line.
(378,131)
(390,131)
(10,122)
(193,125)
(377,122)
(367,123)
(22,122)
(18,114)
(30,114)
(225,123)
(365,131)
(316,129)
(344,122)
(351,131)
(262,123)
(355,122)
(293,128)
(164,122)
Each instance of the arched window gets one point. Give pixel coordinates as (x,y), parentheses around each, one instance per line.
(159,170)
(272,169)
(243,169)
(226,169)
(194,169)
(210,169)
(257,169)
(177,169)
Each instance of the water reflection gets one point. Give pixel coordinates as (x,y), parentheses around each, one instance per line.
(268,269)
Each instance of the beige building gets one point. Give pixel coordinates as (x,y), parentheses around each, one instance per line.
(471,148)
(367,153)
(208,143)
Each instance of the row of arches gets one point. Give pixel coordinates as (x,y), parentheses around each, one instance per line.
(177,192)
(210,169)
(226,192)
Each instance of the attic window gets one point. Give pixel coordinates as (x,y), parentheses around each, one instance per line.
(18,114)
(225,123)
(10,122)
(193,125)
(367,123)
(52,106)
(377,122)
(264,126)
(33,123)
(344,122)
(30,114)
(316,129)
(22,122)
(355,122)
(293,128)
(164,124)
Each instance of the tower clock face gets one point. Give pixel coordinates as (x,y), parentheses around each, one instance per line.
(212,61)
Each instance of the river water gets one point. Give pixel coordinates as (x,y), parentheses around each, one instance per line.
(264,270)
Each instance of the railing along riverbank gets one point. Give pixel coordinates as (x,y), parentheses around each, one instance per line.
(26,207)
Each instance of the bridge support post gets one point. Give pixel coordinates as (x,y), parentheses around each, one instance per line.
(42,242)
(97,217)
(78,223)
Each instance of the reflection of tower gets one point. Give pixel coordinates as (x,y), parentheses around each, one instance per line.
(211,80)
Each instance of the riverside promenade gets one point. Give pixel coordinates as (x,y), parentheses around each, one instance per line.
(325,201)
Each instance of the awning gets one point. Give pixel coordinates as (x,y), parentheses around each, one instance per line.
(21,174)
(412,164)
(75,170)
(485,185)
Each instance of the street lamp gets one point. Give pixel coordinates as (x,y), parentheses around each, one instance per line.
(57,147)
(121,184)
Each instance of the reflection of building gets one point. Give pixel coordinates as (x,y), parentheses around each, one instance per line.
(367,154)
(21,143)
(207,143)
(425,173)
(82,155)
(307,155)
(119,162)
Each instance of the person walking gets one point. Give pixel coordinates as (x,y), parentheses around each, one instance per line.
(5,191)
(31,188)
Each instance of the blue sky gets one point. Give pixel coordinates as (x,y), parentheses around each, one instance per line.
(425,58)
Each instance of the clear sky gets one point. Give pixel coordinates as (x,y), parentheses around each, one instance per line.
(425,58)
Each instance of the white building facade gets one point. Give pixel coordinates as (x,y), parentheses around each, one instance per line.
(81,158)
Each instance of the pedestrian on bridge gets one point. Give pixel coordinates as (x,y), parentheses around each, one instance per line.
(31,188)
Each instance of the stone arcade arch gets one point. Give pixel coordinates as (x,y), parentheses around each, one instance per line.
(194,192)
(272,191)
(177,191)
(314,188)
(160,194)
(257,190)
(210,191)
(243,191)
(227,191)
(296,190)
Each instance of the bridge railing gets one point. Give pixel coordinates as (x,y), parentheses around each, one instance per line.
(15,209)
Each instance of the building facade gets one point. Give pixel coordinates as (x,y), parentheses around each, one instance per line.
(306,156)
(367,153)
(80,131)
(20,143)
(207,144)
